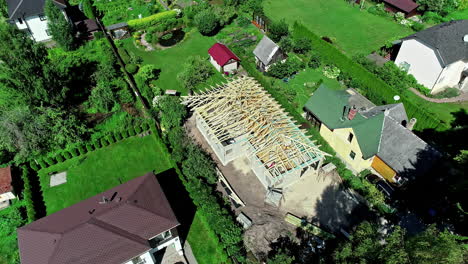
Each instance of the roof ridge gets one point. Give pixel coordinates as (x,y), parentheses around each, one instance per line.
(117,230)
(16,9)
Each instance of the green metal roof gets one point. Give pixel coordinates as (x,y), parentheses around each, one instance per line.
(327,105)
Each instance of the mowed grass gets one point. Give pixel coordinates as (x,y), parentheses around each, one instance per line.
(103,169)
(355,31)
(171,60)
(204,243)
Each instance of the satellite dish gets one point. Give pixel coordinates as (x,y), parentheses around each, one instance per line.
(396,97)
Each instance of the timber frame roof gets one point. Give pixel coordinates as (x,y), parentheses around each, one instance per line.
(242,108)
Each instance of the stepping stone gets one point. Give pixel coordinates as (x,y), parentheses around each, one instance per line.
(58,179)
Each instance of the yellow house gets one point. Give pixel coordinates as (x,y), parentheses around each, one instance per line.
(366,136)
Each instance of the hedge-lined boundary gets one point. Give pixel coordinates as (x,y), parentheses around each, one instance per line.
(82,149)
(27,194)
(360,185)
(374,88)
(152,20)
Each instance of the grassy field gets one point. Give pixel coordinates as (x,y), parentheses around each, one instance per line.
(205,244)
(459,14)
(355,31)
(101,170)
(170,60)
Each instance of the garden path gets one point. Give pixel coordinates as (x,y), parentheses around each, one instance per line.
(461,98)
(145,43)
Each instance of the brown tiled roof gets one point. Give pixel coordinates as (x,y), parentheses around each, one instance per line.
(404,5)
(96,232)
(5,180)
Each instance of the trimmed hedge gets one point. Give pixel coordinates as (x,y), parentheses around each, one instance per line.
(82,150)
(59,157)
(67,155)
(369,84)
(152,20)
(27,195)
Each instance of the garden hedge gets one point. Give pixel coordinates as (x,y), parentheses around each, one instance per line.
(82,150)
(370,85)
(59,157)
(143,23)
(27,195)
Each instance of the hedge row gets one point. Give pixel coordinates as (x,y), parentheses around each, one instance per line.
(360,185)
(104,141)
(27,195)
(152,20)
(370,85)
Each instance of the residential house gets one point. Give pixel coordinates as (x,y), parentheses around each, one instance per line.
(6,190)
(407,7)
(366,136)
(267,53)
(223,59)
(131,223)
(438,56)
(28,15)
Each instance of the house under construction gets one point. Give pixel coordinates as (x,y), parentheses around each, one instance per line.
(240,118)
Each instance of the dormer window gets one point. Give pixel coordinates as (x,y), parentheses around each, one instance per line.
(350,137)
(42,17)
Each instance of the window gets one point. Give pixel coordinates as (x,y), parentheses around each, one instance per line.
(159,238)
(350,137)
(42,17)
(47,32)
(352,155)
(138,260)
(405,66)
(20,20)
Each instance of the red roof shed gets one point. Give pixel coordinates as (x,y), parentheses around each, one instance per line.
(222,54)
(5,180)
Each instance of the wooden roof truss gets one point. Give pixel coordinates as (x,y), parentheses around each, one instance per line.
(243,107)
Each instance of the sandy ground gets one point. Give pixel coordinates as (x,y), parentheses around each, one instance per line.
(320,198)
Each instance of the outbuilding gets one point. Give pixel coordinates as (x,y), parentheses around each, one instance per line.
(407,7)
(223,59)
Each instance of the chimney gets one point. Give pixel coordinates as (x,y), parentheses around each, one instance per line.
(411,123)
(352,113)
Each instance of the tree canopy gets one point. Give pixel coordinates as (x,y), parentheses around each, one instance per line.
(59,27)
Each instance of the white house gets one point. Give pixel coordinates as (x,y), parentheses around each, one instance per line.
(438,56)
(28,15)
(267,53)
(132,223)
(223,59)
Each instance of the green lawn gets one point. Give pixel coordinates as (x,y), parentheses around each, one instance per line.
(459,14)
(355,31)
(171,60)
(100,170)
(204,243)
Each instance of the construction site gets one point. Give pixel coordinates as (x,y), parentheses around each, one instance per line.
(267,165)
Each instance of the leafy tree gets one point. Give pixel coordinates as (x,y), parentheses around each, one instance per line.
(195,71)
(88,9)
(207,22)
(302,45)
(198,165)
(434,246)
(145,80)
(314,61)
(278,29)
(102,97)
(172,112)
(225,14)
(26,68)
(285,69)
(393,252)
(363,247)
(442,7)
(60,29)
(286,44)
(10,220)
(281,258)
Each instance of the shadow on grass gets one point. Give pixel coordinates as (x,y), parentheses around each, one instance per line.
(179,200)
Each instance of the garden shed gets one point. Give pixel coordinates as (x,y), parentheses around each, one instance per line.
(223,59)
(119,30)
(267,53)
(407,7)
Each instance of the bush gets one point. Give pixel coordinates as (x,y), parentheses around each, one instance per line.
(196,70)
(206,22)
(286,44)
(34,165)
(278,30)
(302,45)
(82,150)
(42,163)
(28,195)
(98,35)
(138,129)
(145,126)
(167,36)
(124,55)
(50,161)
(314,61)
(117,136)
(131,68)
(74,152)
(59,157)
(331,71)
(152,20)
(417,26)
(97,144)
(124,134)
(88,9)
(89,147)
(131,131)
(286,69)
(110,138)
(104,142)
(67,155)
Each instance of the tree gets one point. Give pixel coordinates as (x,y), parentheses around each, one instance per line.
(88,9)
(27,69)
(434,246)
(207,22)
(195,71)
(60,29)
(281,258)
(278,29)
(286,44)
(302,45)
(393,252)
(198,165)
(172,112)
(442,7)
(145,80)
(363,247)
(102,97)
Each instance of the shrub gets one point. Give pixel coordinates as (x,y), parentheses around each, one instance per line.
(42,163)
(124,133)
(131,68)
(152,20)
(89,147)
(138,129)
(67,155)
(110,138)
(417,26)
(167,36)
(74,152)
(88,9)
(117,136)
(59,157)
(145,126)
(278,30)
(28,195)
(206,22)
(302,45)
(104,142)
(97,144)
(124,55)
(314,61)
(98,35)
(50,161)
(331,71)
(286,44)
(195,70)
(34,165)
(82,149)
(131,131)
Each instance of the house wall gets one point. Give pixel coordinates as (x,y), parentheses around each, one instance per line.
(423,61)
(147,257)
(383,169)
(215,64)
(230,67)
(450,76)
(338,140)
(36,26)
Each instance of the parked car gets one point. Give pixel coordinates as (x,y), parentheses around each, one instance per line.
(381,185)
